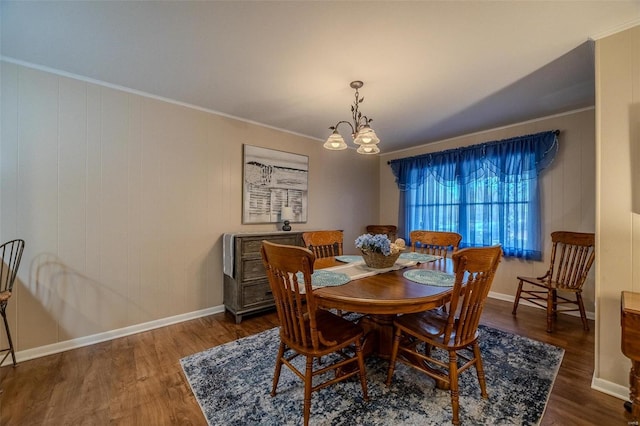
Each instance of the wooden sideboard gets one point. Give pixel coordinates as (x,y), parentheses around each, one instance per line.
(246,287)
(630,342)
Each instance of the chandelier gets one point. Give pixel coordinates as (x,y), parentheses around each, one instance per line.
(362,134)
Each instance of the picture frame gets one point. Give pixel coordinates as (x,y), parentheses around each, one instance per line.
(271,180)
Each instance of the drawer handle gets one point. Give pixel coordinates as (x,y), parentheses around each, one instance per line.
(269,293)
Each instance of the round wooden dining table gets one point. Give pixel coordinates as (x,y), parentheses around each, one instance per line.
(381,298)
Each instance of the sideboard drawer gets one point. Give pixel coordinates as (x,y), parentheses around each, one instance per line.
(252,269)
(256,294)
(246,288)
(251,246)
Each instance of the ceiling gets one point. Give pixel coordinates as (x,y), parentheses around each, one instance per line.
(431,69)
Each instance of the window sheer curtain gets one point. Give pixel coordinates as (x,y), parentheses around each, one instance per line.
(488,192)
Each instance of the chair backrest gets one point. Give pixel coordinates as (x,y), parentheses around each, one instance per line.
(324,243)
(474,270)
(11,253)
(289,270)
(390,231)
(434,242)
(572,255)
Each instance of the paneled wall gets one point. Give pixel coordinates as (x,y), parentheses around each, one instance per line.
(618,245)
(122,200)
(567,188)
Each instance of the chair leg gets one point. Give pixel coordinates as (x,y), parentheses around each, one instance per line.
(453,379)
(394,354)
(308,384)
(550,309)
(583,314)
(276,374)
(6,327)
(363,376)
(480,370)
(517,299)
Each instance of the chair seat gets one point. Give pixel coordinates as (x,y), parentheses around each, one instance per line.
(430,323)
(4,296)
(332,328)
(548,284)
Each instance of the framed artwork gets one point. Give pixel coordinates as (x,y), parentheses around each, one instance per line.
(273,180)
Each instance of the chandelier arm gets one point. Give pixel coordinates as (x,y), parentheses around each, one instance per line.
(340,122)
(363,121)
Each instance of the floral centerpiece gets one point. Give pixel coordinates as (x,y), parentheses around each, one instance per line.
(378,251)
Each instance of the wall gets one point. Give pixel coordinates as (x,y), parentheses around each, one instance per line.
(618,226)
(567,188)
(122,200)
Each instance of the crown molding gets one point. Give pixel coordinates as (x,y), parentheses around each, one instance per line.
(617,29)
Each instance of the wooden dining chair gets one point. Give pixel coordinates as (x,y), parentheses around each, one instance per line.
(324,243)
(390,231)
(572,254)
(11,253)
(306,330)
(455,332)
(438,243)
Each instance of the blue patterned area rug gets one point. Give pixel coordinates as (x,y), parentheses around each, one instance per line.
(232,383)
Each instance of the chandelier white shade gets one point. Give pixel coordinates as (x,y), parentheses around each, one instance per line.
(335,142)
(366,136)
(362,134)
(368,149)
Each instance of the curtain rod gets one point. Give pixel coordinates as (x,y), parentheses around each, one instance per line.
(557,133)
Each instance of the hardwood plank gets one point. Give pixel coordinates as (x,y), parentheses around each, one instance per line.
(138,379)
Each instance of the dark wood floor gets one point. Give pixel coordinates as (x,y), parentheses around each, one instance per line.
(137,380)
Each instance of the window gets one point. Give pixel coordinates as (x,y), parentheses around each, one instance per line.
(488,193)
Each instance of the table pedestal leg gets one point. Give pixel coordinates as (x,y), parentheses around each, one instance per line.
(379,335)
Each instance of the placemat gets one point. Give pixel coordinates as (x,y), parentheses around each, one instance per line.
(419,257)
(349,258)
(322,278)
(428,277)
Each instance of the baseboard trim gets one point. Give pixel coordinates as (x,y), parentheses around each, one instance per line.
(139,328)
(610,388)
(80,342)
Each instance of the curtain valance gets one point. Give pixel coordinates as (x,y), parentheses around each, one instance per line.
(459,165)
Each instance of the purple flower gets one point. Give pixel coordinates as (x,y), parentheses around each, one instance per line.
(378,243)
